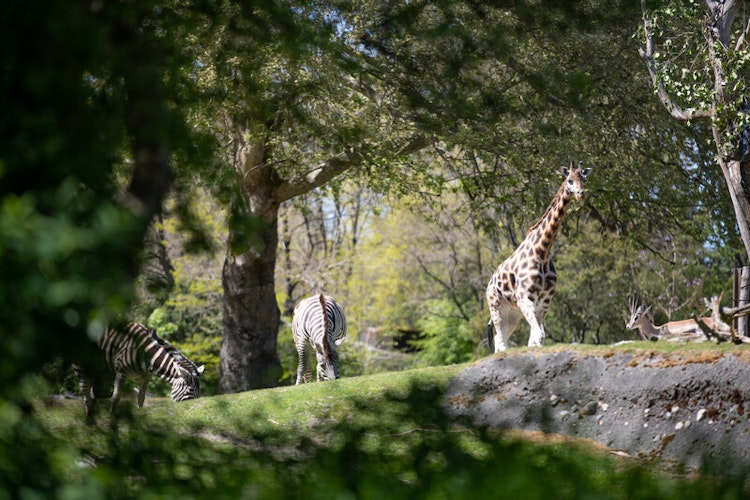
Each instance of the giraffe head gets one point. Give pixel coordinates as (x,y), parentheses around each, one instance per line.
(575,178)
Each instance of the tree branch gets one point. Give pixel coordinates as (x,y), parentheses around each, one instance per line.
(335,166)
(358,85)
(325,172)
(723,317)
(722,16)
(735,312)
(448,287)
(677,111)
(743,37)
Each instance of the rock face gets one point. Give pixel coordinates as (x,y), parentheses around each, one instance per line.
(692,408)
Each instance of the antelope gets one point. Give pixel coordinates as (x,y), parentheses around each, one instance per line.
(677,329)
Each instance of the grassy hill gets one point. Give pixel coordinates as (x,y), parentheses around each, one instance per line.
(380,436)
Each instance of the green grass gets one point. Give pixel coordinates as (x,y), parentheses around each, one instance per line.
(379,436)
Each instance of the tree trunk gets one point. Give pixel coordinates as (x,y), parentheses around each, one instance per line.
(290,282)
(251,315)
(742,298)
(737,176)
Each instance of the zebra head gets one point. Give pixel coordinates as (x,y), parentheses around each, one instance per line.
(327,371)
(328,364)
(187,385)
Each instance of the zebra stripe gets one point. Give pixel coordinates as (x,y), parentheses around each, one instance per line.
(318,322)
(139,353)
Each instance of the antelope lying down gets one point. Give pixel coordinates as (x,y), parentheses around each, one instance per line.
(686,329)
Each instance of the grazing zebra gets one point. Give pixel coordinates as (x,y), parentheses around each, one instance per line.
(138,352)
(318,321)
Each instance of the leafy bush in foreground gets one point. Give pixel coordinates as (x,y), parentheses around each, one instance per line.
(341,443)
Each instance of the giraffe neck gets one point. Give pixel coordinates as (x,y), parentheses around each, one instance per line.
(542,234)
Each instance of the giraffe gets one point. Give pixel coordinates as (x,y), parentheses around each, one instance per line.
(523,285)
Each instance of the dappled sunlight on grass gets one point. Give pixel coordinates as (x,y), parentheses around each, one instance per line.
(373,436)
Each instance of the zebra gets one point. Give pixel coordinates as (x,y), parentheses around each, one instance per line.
(318,321)
(138,352)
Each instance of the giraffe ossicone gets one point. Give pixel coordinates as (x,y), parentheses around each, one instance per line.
(524,284)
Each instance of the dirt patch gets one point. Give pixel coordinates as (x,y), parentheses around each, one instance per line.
(691,409)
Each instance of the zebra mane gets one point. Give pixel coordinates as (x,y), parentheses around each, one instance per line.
(326,325)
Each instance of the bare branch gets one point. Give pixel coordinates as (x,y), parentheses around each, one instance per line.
(722,318)
(721,335)
(735,312)
(713,333)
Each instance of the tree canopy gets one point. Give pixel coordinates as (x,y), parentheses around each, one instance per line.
(388,118)
(428,96)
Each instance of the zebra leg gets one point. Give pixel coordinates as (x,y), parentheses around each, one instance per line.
(119,378)
(308,363)
(301,362)
(86,387)
(87,391)
(142,387)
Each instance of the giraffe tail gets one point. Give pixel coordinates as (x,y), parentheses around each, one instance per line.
(490,333)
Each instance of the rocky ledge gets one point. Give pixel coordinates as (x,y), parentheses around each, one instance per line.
(691,408)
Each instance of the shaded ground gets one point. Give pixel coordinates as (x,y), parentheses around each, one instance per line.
(691,409)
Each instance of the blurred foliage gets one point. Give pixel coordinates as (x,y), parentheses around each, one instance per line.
(594,286)
(382,437)
(84,107)
(448,338)
(73,128)
(503,99)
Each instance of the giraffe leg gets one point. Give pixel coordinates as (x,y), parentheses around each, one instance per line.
(529,310)
(489,332)
(538,339)
(499,338)
(505,319)
(541,313)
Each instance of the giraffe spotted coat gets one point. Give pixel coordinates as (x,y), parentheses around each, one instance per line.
(524,284)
